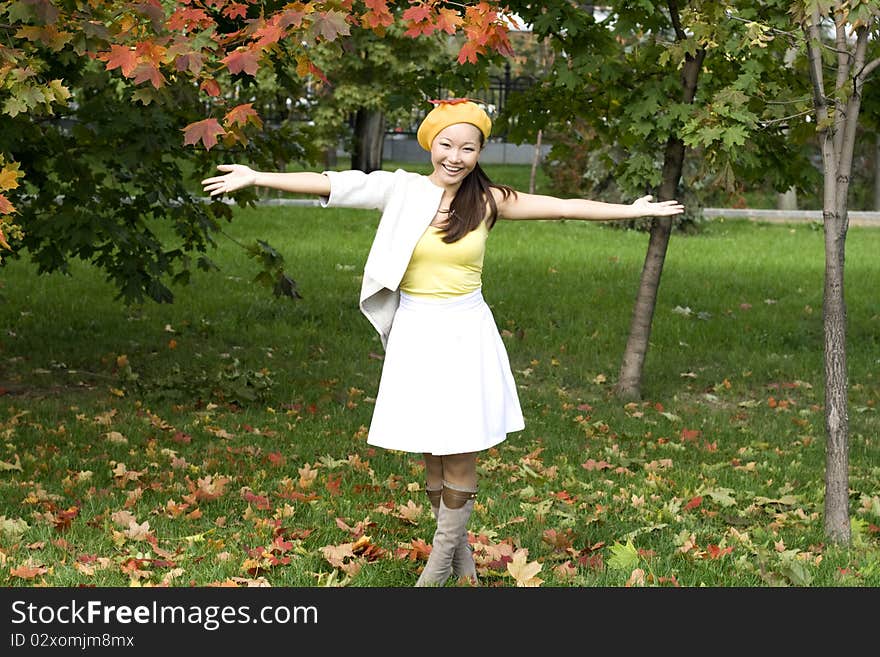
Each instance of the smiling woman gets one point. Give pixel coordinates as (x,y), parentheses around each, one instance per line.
(446,389)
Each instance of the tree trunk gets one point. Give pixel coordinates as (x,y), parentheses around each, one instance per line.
(837,135)
(837,526)
(535,161)
(787,200)
(629,380)
(369,138)
(330,157)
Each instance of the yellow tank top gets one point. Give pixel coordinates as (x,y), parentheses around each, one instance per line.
(438,269)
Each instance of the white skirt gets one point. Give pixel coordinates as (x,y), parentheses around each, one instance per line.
(446,385)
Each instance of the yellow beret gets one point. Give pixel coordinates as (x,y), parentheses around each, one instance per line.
(450,112)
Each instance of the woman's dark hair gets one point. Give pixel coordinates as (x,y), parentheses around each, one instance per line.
(468,207)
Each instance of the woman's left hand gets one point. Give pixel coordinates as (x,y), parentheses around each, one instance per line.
(648,208)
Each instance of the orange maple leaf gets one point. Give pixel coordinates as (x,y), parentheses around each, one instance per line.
(5,206)
(377,15)
(557,540)
(242,114)
(210,87)
(268,33)
(716,552)
(417,14)
(240,60)
(448,20)
(122,57)
(206,131)
(28,571)
(416,550)
(208,488)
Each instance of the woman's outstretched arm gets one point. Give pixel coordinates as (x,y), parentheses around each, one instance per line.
(538,206)
(239,176)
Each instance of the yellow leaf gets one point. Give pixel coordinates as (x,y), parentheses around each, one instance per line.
(11,466)
(9,176)
(524,571)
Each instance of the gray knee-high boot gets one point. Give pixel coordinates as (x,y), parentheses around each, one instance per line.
(462,559)
(451,522)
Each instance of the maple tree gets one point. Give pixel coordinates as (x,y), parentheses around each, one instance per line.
(177,74)
(642,89)
(842,35)
(730,84)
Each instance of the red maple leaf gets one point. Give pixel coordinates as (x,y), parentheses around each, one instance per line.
(5,206)
(268,34)
(259,501)
(469,52)
(235,10)
(333,484)
(240,60)
(122,57)
(242,114)
(693,503)
(147,71)
(276,458)
(185,18)
(716,552)
(210,87)
(206,131)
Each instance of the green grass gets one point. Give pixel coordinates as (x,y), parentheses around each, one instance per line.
(222,438)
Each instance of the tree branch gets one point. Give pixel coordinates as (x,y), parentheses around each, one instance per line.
(674,16)
(869,68)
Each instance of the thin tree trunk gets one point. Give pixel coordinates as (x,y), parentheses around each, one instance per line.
(629,380)
(787,200)
(369,138)
(837,526)
(535,160)
(837,139)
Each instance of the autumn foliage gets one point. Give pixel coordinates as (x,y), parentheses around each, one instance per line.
(210,44)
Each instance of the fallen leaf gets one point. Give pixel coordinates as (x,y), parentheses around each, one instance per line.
(524,571)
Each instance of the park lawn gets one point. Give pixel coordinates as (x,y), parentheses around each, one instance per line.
(222,438)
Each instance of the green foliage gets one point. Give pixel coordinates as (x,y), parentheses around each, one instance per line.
(110,182)
(614,99)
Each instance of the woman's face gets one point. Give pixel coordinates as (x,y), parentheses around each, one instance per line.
(455,152)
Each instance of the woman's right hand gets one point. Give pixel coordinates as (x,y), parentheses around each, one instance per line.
(237,177)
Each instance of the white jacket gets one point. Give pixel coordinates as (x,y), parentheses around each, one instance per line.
(408,202)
